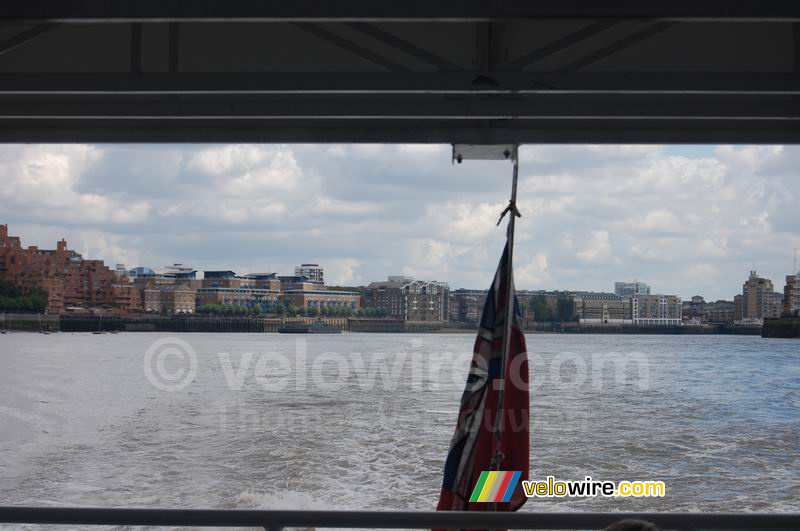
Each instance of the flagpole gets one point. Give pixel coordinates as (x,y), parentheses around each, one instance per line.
(514,214)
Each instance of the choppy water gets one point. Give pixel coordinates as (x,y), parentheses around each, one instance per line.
(715,417)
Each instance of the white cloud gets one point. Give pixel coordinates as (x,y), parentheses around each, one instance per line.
(342,271)
(535,272)
(684,223)
(598,248)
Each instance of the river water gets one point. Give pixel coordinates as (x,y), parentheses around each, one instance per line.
(363,421)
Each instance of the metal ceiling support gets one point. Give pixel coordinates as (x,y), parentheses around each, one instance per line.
(136,48)
(617,46)
(410,83)
(408,10)
(25,36)
(796,38)
(483,46)
(431,82)
(404,46)
(174,46)
(559,45)
(566,108)
(350,46)
(468,132)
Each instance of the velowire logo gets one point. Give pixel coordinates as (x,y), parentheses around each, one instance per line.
(495,486)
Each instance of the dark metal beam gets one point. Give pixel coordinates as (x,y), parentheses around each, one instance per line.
(559,45)
(136,48)
(408,10)
(404,46)
(510,83)
(174,47)
(483,46)
(350,46)
(569,108)
(611,49)
(652,132)
(796,47)
(385,519)
(25,36)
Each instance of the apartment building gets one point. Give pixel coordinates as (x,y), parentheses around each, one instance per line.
(791,295)
(757,301)
(69,279)
(656,310)
(602,308)
(408,299)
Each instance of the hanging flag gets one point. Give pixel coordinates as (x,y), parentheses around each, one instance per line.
(484,443)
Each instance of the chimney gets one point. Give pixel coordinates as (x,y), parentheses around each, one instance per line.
(3,232)
(62,245)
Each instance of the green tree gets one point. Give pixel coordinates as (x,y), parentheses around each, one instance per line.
(8,289)
(565,309)
(541,310)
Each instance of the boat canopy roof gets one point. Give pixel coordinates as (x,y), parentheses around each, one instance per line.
(467,71)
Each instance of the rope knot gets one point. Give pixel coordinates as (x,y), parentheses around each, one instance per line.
(512,207)
(497,458)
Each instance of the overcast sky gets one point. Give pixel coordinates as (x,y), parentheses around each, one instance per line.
(686,219)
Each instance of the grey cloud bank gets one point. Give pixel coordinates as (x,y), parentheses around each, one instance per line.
(686,220)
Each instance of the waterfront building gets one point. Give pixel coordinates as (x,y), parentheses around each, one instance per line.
(169,299)
(602,308)
(693,310)
(466,305)
(757,303)
(319,297)
(656,310)
(247,296)
(631,289)
(408,299)
(773,306)
(300,292)
(721,312)
(738,302)
(791,295)
(178,271)
(69,279)
(313,272)
(262,290)
(141,271)
(121,271)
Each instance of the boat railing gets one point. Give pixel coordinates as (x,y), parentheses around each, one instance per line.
(272,520)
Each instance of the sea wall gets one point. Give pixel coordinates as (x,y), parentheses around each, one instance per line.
(28,322)
(788,327)
(158,323)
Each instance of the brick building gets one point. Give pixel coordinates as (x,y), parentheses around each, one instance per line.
(70,280)
(721,312)
(300,292)
(170,299)
(466,305)
(409,299)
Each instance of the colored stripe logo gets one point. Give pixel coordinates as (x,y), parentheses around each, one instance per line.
(495,486)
